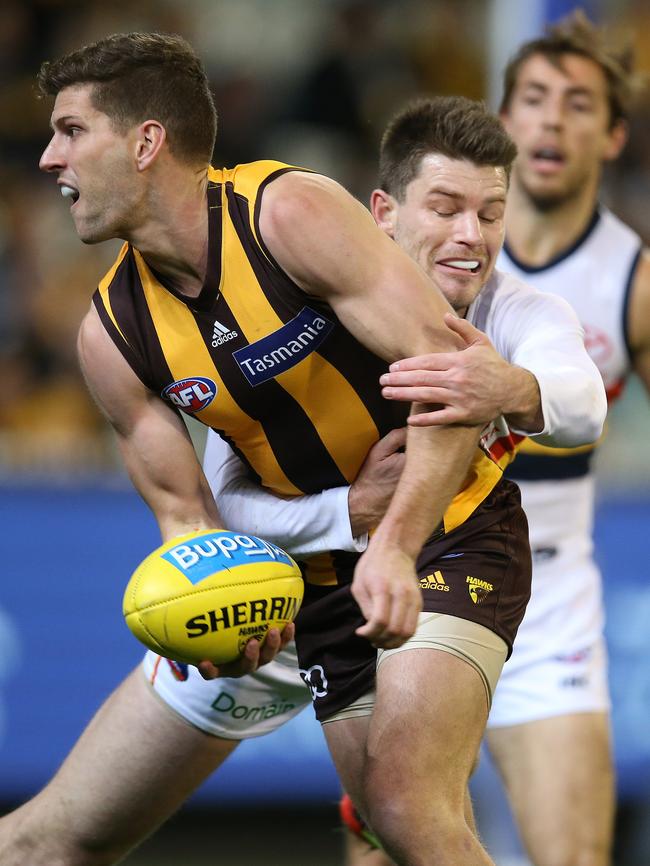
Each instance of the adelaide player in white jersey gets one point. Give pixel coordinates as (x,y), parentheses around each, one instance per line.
(562,633)
(565,101)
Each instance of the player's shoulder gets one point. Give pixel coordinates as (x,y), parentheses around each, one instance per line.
(300,207)
(507,291)
(508,302)
(111,275)
(93,341)
(250,179)
(611,224)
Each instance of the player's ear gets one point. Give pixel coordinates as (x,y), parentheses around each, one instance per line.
(384,209)
(151,136)
(617,140)
(504,117)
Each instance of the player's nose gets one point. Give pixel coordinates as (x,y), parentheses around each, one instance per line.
(468,229)
(51,158)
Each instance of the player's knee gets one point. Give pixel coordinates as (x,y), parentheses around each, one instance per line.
(51,845)
(391,809)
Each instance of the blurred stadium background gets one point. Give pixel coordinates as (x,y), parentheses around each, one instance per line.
(311,82)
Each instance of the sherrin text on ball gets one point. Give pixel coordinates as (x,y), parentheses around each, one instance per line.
(204,595)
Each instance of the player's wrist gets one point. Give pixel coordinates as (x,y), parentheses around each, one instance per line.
(361,515)
(522,406)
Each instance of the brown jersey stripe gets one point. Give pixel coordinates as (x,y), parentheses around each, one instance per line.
(118,338)
(254,218)
(357,364)
(308,385)
(355,371)
(126,298)
(105,284)
(303,457)
(211,288)
(185,336)
(252,474)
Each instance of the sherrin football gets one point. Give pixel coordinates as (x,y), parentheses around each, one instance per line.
(204,595)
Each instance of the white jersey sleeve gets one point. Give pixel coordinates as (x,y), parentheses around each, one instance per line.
(303,526)
(541,333)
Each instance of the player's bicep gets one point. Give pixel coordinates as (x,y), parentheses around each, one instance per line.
(331,247)
(152,438)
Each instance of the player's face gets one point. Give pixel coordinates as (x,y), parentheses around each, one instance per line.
(93,164)
(451,222)
(559,119)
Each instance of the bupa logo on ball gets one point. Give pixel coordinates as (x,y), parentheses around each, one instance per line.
(213,552)
(191,395)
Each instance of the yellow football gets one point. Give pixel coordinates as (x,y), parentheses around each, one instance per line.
(206,594)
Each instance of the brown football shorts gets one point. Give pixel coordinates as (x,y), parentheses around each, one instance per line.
(481,572)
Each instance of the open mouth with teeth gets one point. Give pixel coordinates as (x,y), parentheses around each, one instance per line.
(472,266)
(548,156)
(70,192)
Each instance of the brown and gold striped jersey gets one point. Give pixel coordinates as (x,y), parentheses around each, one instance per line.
(266,365)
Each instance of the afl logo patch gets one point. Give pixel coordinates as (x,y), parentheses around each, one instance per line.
(191,395)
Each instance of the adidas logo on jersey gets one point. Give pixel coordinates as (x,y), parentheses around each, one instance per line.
(478,589)
(434,581)
(221,334)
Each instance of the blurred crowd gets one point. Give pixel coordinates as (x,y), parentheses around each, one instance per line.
(312,83)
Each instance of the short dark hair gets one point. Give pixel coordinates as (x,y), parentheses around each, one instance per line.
(453,126)
(576,34)
(140,76)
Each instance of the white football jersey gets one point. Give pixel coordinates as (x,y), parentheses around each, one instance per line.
(594,276)
(557,486)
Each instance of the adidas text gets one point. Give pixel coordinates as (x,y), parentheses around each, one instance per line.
(221,334)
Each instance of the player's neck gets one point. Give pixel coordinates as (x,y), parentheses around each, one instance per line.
(538,235)
(173,240)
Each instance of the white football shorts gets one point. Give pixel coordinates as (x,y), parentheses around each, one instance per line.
(236,708)
(558,664)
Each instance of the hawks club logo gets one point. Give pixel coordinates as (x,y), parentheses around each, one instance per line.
(191,395)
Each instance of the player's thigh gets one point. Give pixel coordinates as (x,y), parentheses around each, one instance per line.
(430,713)
(346,739)
(135,764)
(559,777)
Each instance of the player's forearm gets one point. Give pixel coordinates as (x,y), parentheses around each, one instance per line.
(522,401)
(303,525)
(437,462)
(181,501)
(574,406)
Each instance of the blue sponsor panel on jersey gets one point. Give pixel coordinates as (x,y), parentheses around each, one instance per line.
(284,348)
(218,551)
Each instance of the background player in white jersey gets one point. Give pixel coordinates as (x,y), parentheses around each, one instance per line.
(144,778)
(565,101)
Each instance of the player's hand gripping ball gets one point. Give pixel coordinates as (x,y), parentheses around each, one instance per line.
(206,594)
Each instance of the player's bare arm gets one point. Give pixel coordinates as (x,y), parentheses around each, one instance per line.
(639,320)
(472,386)
(161,461)
(156,448)
(329,245)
